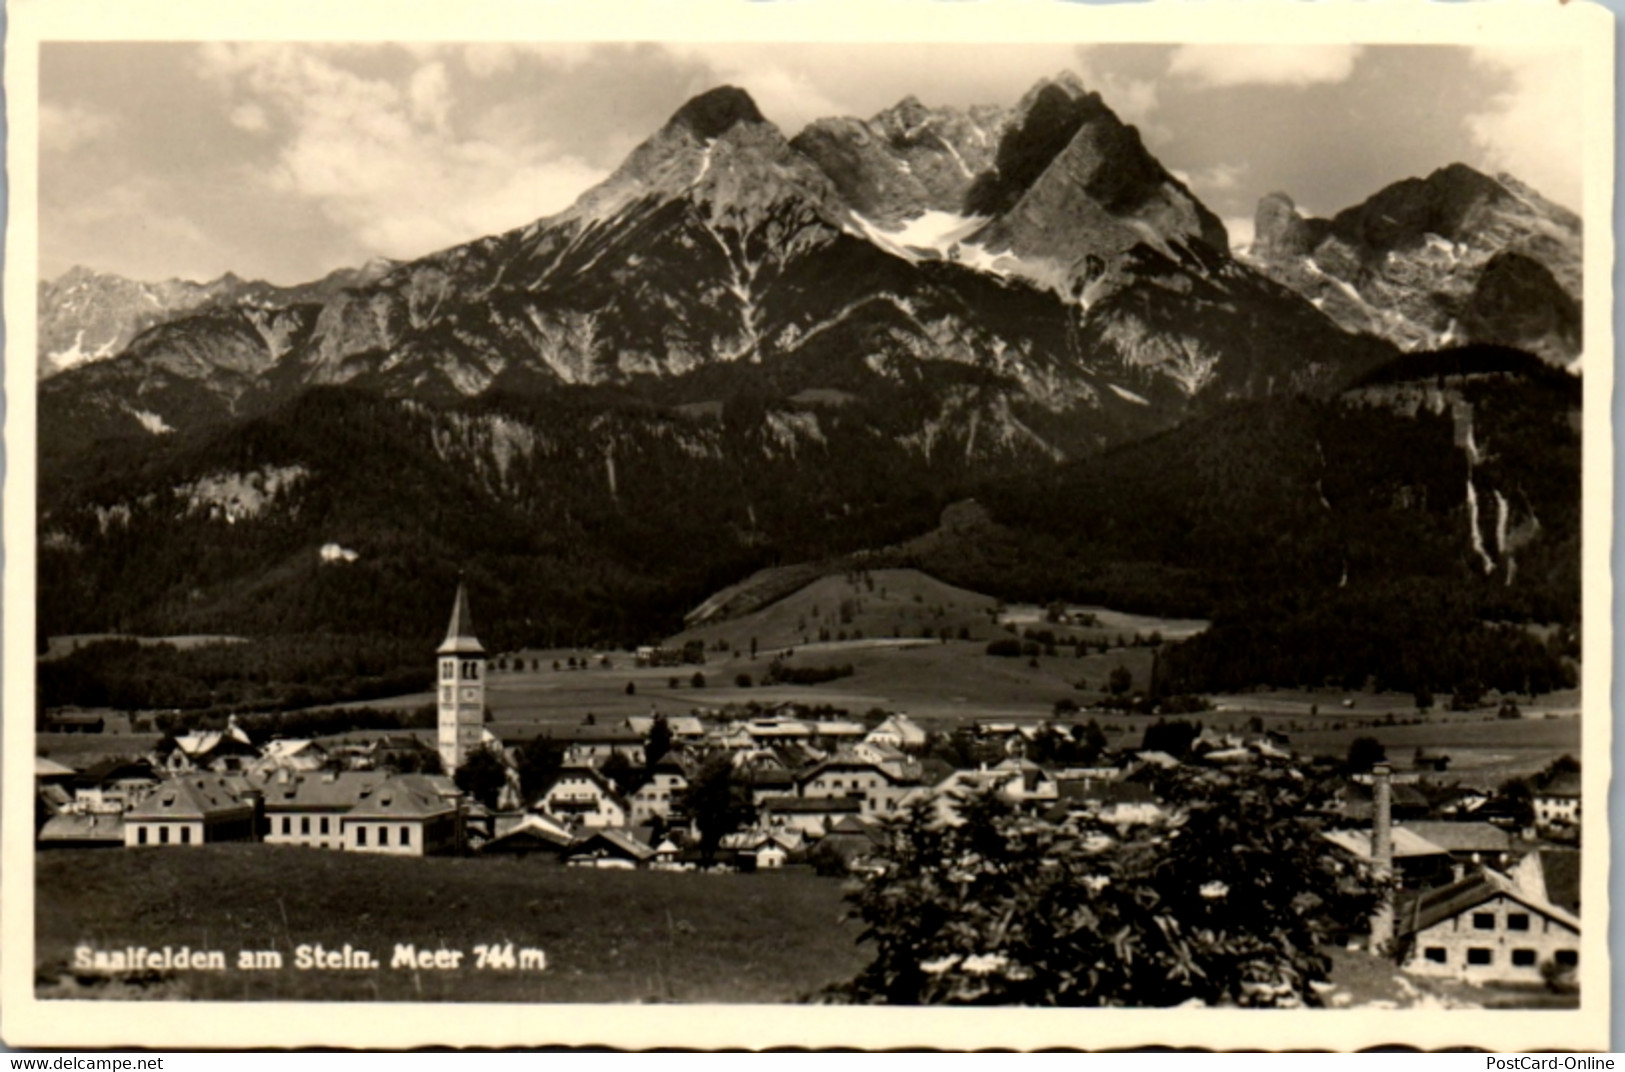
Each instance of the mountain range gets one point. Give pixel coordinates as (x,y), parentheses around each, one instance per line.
(742,350)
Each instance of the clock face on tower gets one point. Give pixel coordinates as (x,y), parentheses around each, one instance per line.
(470,694)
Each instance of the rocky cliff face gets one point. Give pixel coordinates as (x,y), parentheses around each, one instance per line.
(1040,252)
(1455,257)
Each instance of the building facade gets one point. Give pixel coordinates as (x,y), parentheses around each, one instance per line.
(461,683)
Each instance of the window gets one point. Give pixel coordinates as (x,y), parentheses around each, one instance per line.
(406,836)
(140,835)
(1483,921)
(448,671)
(1567,958)
(447,694)
(287,825)
(324,824)
(1480,956)
(1435,953)
(471,670)
(163,835)
(186,835)
(1518,921)
(383,837)
(1523,958)
(361,836)
(304,824)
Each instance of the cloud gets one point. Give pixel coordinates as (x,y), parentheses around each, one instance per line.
(1266,65)
(64,128)
(1532,128)
(381,157)
(250,117)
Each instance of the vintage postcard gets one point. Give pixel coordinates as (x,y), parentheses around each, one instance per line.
(728,524)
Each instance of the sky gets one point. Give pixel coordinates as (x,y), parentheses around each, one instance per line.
(284,161)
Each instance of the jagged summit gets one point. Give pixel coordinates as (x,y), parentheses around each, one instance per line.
(1455,256)
(714,112)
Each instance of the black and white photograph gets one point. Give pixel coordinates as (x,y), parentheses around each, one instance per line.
(1024,508)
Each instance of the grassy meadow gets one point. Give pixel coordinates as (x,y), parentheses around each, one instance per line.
(608,936)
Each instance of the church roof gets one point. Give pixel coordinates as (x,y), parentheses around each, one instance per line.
(460,633)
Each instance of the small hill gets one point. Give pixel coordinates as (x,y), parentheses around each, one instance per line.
(857,605)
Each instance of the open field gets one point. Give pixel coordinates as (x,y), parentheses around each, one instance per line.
(83,749)
(608,936)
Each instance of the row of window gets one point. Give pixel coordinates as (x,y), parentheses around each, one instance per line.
(163,835)
(1480,956)
(1485,921)
(405,833)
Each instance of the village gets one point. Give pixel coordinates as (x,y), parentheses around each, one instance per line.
(1487,888)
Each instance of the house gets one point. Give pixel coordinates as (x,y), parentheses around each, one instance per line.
(113,784)
(1108,800)
(685,728)
(581,797)
(82,830)
(48,771)
(1418,863)
(1485,928)
(810,816)
(294,755)
(588,744)
(306,808)
(898,731)
(1558,803)
(533,835)
(219,751)
(655,798)
(1408,802)
(878,789)
(189,809)
(404,815)
(610,848)
(769,780)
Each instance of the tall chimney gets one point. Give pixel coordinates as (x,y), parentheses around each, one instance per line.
(1382,856)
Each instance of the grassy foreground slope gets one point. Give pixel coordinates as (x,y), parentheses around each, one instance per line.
(609,936)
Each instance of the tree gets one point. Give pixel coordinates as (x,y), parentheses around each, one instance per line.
(620,770)
(482,776)
(698,680)
(631,689)
(1364,753)
(742,681)
(1175,737)
(1424,698)
(659,743)
(718,803)
(1466,695)
(1120,681)
(1228,901)
(538,760)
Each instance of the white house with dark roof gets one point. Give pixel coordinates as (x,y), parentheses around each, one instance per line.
(1485,928)
(406,815)
(1558,804)
(581,797)
(192,809)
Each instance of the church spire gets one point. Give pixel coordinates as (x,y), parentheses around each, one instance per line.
(460,633)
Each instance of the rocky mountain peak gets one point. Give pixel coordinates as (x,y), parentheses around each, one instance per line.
(714,112)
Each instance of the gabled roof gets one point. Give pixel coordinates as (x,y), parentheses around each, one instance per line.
(1462,837)
(194,796)
(460,632)
(1407,843)
(1422,911)
(534,831)
(114,769)
(592,774)
(81,829)
(45,767)
(837,764)
(400,798)
(616,842)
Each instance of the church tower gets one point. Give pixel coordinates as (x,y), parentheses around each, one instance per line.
(462,687)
